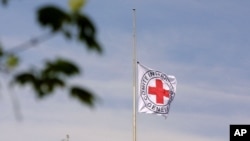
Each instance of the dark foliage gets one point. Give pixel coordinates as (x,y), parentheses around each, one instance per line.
(4,2)
(60,67)
(83,95)
(60,21)
(53,17)
(55,74)
(52,76)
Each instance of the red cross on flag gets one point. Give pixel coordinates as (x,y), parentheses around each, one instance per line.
(156,91)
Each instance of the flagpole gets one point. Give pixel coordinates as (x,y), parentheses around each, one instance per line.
(134,75)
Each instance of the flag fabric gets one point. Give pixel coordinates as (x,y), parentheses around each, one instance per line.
(156,91)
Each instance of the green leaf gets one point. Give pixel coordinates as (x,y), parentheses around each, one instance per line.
(76,5)
(87,32)
(61,21)
(12,61)
(48,85)
(45,81)
(42,86)
(53,17)
(60,66)
(24,78)
(84,96)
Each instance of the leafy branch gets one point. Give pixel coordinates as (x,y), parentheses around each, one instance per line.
(55,74)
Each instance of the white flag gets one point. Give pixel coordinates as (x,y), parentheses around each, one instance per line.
(156,91)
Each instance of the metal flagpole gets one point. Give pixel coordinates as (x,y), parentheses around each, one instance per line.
(134,75)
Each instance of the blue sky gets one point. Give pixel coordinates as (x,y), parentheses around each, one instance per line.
(205,44)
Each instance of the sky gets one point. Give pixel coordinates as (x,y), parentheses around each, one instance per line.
(204,44)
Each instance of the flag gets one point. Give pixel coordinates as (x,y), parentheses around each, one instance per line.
(156,91)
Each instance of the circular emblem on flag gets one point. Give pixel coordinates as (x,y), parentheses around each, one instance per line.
(156,91)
